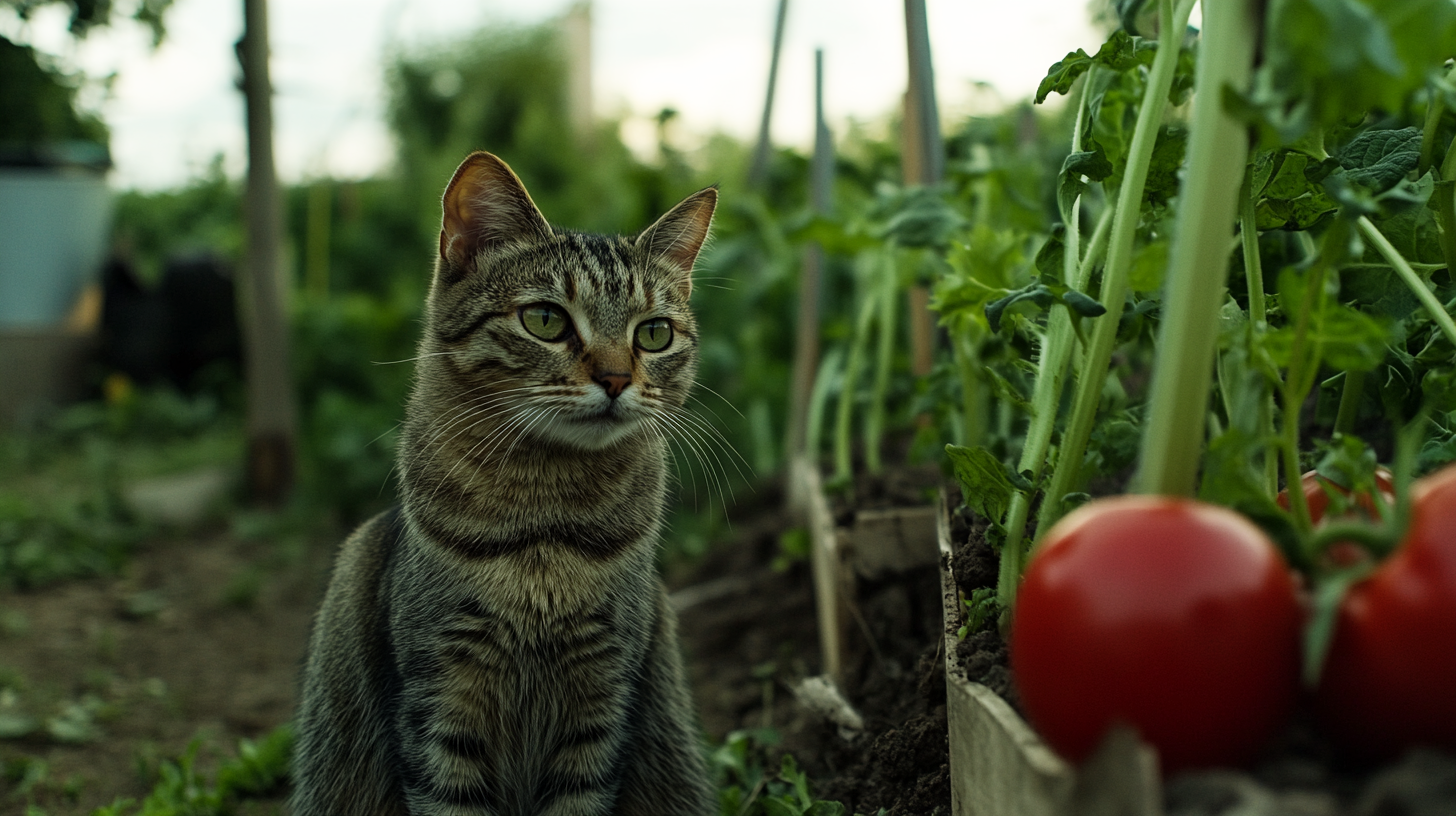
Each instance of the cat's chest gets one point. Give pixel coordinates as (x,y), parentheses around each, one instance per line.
(539,704)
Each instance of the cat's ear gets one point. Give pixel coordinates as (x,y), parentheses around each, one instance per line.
(486,206)
(679,235)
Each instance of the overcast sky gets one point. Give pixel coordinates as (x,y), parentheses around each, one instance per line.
(170,111)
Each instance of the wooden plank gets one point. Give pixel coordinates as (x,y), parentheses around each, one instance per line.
(1000,766)
(886,541)
(826,564)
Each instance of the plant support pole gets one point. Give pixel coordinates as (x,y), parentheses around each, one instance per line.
(272,421)
(929,145)
(758,171)
(1174,22)
(806,342)
(1218,150)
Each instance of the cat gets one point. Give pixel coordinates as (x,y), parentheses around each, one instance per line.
(501,643)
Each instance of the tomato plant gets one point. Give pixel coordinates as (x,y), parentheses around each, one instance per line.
(1389,680)
(1174,616)
(1317,490)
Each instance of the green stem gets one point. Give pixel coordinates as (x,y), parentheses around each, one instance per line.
(1119,261)
(1258,316)
(1218,150)
(874,430)
(1303,368)
(973,397)
(1046,393)
(1350,394)
(1409,277)
(843,455)
(1434,109)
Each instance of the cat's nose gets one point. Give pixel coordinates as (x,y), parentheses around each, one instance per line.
(614,384)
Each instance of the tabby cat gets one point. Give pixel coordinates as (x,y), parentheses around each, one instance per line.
(501,642)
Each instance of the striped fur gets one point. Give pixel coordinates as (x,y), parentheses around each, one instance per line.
(501,643)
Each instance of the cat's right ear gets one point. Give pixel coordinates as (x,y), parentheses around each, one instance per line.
(486,206)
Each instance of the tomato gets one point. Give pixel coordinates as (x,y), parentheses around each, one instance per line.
(1317,498)
(1389,681)
(1176,617)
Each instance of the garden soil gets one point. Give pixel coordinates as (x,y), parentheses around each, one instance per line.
(199,639)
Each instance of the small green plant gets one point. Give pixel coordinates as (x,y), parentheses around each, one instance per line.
(745,788)
(259,769)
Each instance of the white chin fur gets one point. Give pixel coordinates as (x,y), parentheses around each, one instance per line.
(576,426)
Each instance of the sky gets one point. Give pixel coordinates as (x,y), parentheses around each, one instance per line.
(171,110)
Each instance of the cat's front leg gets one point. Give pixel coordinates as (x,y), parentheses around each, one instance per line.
(665,773)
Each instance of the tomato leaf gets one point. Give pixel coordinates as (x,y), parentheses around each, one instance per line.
(1380,159)
(1121,52)
(986,482)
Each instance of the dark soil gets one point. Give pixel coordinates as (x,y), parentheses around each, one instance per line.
(1299,775)
(747,650)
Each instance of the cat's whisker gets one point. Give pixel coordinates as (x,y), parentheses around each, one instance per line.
(417,357)
(726,401)
(652,426)
(717,436)
(687,452)
(498,433)
(695,439)
(465,409)
(527,430)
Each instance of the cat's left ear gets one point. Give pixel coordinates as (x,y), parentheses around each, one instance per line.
(679,235)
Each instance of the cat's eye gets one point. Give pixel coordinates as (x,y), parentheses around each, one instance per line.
(654,334)
(547,321)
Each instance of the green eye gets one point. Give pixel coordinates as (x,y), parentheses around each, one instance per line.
(654,334)
(547,321)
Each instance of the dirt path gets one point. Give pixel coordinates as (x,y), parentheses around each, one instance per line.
(200,640)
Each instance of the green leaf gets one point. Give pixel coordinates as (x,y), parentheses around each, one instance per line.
(1034,292)
(1121,52)
(1083,305)
(923,219)
(1053,251)
(985,481)
(1380,159)
(1090,163)
(1328,61)
(1166,161)
(1149,264)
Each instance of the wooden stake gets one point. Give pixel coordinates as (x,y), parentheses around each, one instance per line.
(806,343)
(758,171)
(272,418)
(922,163)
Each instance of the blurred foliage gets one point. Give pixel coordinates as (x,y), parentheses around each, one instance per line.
(38,100)
(37,97)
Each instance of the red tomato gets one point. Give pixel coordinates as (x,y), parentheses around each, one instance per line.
(1319,501)
(1174,616)
(1390,679)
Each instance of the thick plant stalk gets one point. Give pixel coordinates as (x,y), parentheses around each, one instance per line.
(1258,315)
(1174,22)
(1047,391)
(843,457)
(1217,153)
(874,430)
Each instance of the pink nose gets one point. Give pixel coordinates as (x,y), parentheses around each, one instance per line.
(614,384)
